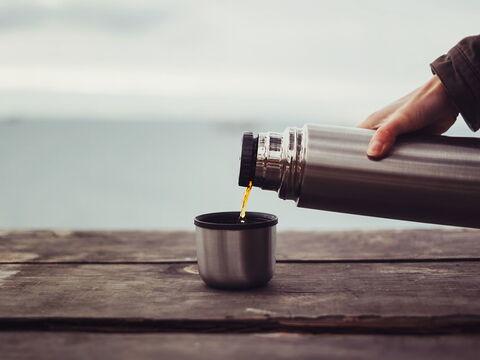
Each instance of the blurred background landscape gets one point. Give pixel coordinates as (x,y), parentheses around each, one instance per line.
(129,114)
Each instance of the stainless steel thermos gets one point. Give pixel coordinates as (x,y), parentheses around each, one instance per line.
(434,179)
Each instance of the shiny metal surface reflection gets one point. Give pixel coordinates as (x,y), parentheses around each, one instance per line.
(236,256)
(433,179)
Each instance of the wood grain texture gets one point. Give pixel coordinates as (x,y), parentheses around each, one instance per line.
(37,345)
(424,297)
(134,246)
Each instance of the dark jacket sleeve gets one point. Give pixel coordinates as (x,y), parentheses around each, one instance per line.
(459,72)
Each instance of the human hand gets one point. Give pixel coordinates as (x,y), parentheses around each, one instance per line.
(427,109)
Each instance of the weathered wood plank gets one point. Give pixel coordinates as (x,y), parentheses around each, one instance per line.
(397,297)
(48,246)
(85,246)
(35,345)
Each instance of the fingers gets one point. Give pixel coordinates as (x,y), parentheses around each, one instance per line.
(384,138)
(382,141)
(375,120)
(427,108)
(370,123)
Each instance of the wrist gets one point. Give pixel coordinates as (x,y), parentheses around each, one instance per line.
(440,92)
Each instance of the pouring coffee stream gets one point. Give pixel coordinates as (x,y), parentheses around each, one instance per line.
(246,195)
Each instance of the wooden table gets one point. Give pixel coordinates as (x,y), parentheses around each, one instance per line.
(133,295)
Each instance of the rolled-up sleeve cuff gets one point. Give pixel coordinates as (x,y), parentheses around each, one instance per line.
(462,84)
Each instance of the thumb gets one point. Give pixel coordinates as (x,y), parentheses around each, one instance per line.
(382,141)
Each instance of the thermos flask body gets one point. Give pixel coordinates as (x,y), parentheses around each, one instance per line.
(433,179)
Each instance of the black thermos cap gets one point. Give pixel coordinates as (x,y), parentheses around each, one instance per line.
(248,158)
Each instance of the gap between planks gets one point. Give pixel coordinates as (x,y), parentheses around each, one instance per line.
(283,261)
(393,325)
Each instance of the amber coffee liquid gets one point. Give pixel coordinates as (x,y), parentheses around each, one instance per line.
(246,195)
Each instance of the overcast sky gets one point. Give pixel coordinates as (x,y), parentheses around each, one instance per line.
(329,61)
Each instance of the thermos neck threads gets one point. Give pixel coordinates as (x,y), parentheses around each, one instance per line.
(274,161)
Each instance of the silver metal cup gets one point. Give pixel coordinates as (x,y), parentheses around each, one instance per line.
(234,255)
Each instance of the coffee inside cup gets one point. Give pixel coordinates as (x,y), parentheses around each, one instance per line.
(229,220)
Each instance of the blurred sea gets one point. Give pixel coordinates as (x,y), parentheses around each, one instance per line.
(137,175)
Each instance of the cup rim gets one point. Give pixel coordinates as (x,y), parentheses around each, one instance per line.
(257,220)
